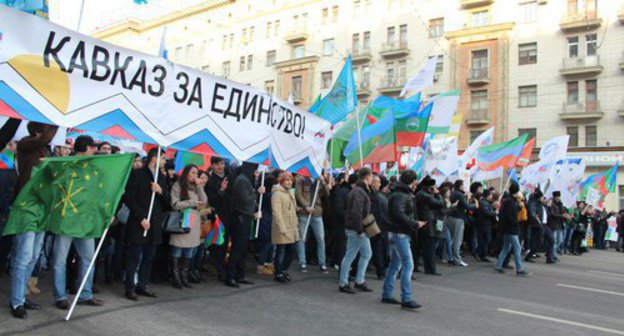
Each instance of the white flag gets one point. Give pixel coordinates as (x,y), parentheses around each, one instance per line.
(535,175)
(482,175)
(554,149)
(593,197)
(291,98)
(566,177)
(484,139)
(442,156)
(442,112)
(423,78)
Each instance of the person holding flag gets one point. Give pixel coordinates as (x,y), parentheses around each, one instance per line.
(142,247)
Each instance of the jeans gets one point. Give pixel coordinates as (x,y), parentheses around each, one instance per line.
(558,241)
(26,250)
(509,242)
(316,223)
(456,226)
(85,249)
(143,254)
(567,243)
(449,244)
(183,252)
(284,255)
(400,258)
(355,243)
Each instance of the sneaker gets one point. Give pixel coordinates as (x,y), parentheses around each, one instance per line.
(463,264)
(19,312)
(324,270)
(524,274)
(499,270)
(346,289)
(362,287)
(303,269)
(392,301)
(411,305)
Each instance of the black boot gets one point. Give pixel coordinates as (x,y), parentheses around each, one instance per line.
(184,272)
(175,270)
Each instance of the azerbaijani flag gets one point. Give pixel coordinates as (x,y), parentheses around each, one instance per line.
(525,156)
(183,158)
(410,129)
(504,154)
(216,235)
(377,142)
(7,160)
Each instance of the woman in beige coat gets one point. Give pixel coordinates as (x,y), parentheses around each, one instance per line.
(186,194)
(284,229)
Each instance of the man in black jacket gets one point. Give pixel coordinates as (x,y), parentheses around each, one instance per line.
(557,215)
(338,206)
(486,215)
(244,211)
(218,197)
(538,220)
(429,203)
(358,208)
(509,225)
(403,224)
(457,219)
(144,236)
(379,198)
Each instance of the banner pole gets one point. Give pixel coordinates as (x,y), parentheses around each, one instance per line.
(359,134)
(318,183)
(501,181)
(151,207)
(82,5)
(260,204)
(86,275)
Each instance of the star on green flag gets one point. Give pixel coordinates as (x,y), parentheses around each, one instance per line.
(73,196)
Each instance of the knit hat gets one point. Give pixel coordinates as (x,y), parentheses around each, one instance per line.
(514,188)
(556,194)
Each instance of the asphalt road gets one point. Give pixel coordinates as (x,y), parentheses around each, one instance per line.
(579,296)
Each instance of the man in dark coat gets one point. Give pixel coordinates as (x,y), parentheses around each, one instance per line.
(143,235)
(244,202)
(511,229)
(339,205)
(218,197)
(429,203)
(557,215)
(486,215)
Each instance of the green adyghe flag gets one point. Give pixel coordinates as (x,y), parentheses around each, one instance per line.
(73,196)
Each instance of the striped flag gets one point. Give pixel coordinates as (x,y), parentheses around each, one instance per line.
(525,156)
(504,154)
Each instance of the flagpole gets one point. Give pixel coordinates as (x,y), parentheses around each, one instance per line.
(318,183)
(260,204)
(359,134)
(86,275)
(151,207)
(82,5)
(501,180)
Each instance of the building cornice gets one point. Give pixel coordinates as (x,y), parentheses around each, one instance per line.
(479,31)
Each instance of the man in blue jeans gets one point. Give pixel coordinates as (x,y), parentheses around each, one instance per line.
(508,218)
(304,195)
(403,223)
(85,248)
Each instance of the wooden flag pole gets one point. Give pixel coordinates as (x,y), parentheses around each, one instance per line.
(151,207)
(260,204)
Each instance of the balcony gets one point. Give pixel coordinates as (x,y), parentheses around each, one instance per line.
(392,85)
(475,3)
(363,88)
(394,49)
(584,65)
(478,118)
(581,111)
(297,34)
(580,21)
(360,55)
(478,77)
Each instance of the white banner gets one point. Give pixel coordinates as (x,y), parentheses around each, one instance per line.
(534,175)
(423,78)
(53,75)
(479,175)
(484,139)
(567,177)
(593,197)
(554,149)
(442,156)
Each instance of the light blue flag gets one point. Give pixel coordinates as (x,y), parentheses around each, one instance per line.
(30,6)
(140,2)
(513,175)
(342,99)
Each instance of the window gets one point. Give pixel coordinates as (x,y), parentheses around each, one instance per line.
(298,51)
(277,27)
(590,45)
(479,104)
(436,28)
(365,82)
(390,73)
(479,64)
(621,192)
(241,68)
(527,53)
(251,33)
(244,36)
(403,34)
(439,65)
(325,14)
(355,43)
(296,86)
(480,19)
(224,42)
(475,134)
(402,72)
(270,58)
(591,96)
(326,79)
(178,53)
(366,41)
(249,62)
(573,93)
(225,69)
(573,46)
(269,86)
(356,7)
(328,47)
(527,96)
(335,14)
(531,131)
(268,29)
(231,40)
(591,136)
(391,35)
(528,12)
(573,132)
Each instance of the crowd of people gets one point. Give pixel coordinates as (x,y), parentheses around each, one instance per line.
(340,221)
